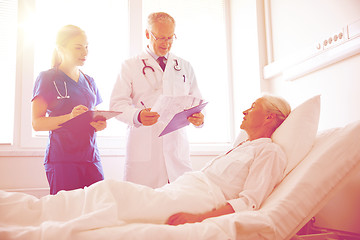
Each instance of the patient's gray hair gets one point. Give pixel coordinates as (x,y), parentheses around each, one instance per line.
(277,105)
(159,17)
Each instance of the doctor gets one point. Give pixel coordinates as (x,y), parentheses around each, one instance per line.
(151,160)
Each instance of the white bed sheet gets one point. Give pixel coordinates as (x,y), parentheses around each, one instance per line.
(298,197)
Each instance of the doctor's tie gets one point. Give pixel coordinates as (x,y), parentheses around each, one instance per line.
(161,61)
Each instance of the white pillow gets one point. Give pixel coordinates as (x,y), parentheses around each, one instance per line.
(296,135)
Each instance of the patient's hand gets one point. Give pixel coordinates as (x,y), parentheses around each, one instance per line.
(182,218)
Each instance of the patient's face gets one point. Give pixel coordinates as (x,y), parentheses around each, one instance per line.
(254,117)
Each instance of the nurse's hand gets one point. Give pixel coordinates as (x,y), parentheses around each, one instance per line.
(79,109)
(197,119)
(98,125)
(148,118)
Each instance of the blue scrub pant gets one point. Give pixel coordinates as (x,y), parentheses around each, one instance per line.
(70,176)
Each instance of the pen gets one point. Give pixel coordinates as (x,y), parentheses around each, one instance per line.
(143,105)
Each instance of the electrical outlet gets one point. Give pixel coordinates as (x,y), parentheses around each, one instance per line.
(332,40)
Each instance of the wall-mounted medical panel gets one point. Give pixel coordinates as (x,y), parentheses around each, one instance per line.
(334,47)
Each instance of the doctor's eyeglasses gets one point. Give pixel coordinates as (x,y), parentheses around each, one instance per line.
(164,39)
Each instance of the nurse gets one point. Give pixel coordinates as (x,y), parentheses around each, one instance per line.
(152,160)
(72,159)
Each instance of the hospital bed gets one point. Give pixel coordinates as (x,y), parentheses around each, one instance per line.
(319,165)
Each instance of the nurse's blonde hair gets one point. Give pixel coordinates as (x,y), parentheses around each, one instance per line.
(277,105)
(159,17)
(63,37)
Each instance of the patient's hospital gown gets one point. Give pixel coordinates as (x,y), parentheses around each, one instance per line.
(244,177)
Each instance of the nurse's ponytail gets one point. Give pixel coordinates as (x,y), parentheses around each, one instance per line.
(63,36)
(56,59)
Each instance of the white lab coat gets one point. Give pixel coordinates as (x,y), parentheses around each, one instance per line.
(152,160)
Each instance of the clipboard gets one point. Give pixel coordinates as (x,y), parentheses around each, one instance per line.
(180,119)
(89,116)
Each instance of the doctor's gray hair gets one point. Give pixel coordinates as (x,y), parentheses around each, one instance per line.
(159,17)
(277,105)
(63,36)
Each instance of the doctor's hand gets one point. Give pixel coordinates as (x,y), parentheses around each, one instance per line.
(98,125)
(148,118)
(79,109)
(197,119)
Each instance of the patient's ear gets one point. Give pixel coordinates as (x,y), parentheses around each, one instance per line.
(271,116)
(271,121)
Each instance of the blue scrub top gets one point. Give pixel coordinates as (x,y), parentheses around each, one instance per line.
(68,144)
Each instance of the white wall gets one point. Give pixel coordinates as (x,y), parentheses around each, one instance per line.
(297,25)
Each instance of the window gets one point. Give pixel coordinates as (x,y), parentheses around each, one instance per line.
(116,31)
(201,39)
(106,26)
(8,34)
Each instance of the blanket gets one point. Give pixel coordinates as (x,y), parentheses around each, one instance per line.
(119,210)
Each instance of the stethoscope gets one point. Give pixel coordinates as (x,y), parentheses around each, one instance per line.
(59,94)
(66,96)
(176,66)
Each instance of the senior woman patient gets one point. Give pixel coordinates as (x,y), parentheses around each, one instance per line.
(238,180)
(248,173)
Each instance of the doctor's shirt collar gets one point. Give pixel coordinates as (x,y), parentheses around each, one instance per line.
(154,55)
